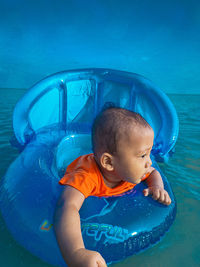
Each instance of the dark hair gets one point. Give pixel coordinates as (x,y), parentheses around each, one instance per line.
(110,125)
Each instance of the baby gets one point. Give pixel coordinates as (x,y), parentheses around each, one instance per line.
(122,141)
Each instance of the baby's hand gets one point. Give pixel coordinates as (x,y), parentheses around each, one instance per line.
(158,193)
(87,258)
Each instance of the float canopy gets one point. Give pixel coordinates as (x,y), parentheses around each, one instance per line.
(70,100)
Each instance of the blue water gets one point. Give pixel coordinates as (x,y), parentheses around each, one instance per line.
(158,39)
(181,246)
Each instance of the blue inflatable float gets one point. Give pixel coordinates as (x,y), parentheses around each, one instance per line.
(52,124)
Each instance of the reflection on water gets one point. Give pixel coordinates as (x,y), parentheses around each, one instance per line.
(180,247)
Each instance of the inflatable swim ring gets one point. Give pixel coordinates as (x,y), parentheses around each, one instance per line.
(52,124)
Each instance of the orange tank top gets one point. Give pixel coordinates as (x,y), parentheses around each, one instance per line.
(84,175)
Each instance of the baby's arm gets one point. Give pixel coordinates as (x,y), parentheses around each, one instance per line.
(156,188)
(68,231)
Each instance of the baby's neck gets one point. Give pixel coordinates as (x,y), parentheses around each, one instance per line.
(109,183)
(108,178)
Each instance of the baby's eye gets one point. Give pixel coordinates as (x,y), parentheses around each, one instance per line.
(143,156)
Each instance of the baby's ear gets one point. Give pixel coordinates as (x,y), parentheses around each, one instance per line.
(106,161)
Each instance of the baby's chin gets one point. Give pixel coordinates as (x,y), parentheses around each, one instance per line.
(139,180)
(136,181)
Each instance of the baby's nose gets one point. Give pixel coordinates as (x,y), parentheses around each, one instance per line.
(148,163)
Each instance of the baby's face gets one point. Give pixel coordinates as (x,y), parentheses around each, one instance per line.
(132,161)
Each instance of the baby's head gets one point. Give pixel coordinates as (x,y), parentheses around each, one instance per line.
(122,142)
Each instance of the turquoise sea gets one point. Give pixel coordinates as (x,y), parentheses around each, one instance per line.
(181,245)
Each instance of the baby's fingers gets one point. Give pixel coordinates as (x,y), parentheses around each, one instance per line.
(156,193)
(164,198)
(146,192)
(167,200)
